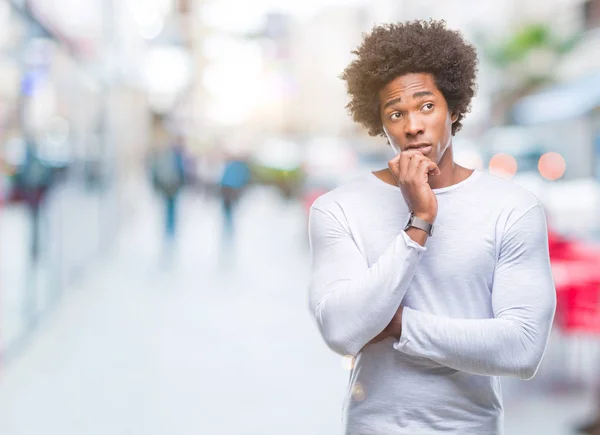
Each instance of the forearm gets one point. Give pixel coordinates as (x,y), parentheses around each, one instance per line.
(510,346)
(351,312)
(523,301)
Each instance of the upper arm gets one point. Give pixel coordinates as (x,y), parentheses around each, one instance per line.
(523,288)
(334,253)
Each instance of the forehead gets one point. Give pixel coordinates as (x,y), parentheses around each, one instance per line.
(406,85)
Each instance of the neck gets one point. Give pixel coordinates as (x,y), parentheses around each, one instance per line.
(451,173)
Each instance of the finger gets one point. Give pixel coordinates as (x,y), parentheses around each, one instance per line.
(400,163)
(424,170)
(413,172)
(405,159)
(433,169)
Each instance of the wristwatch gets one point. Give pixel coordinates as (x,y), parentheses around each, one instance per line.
(416,222)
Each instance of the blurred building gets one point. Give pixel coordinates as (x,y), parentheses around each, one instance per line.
(79,82)
(564,115)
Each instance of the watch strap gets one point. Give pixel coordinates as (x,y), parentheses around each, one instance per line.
(417,222)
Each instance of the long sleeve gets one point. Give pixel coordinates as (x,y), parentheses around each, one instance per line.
(351,301)
(523,301)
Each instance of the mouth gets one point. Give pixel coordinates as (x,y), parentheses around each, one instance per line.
(424,148)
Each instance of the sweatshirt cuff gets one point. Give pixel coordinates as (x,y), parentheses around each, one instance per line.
(411,243)
(402,344)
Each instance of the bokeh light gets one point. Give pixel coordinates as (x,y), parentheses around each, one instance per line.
(469,159)
(503,165)
(552,166)
(348,362)
(358,392)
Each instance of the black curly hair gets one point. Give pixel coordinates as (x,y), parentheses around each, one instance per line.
(392,50)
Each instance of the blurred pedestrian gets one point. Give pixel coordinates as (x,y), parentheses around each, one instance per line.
(432,278)
(168,177)
(32,180)
(234,180)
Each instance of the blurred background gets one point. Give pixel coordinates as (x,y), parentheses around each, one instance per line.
(158,159)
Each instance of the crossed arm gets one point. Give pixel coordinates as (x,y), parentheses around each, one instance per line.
(353,303)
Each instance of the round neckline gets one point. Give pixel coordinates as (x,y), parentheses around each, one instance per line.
(474,175)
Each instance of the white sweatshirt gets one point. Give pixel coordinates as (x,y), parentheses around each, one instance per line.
(479,302)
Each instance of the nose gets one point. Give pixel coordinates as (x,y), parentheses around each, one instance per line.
(414,126)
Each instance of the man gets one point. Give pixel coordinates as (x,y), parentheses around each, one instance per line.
(434,277)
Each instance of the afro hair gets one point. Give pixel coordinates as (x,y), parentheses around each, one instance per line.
(393,50)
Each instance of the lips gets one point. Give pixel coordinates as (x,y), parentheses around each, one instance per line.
(425,149)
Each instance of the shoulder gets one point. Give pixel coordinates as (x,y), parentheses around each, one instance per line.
(346,196)
(512,202)
(506,193)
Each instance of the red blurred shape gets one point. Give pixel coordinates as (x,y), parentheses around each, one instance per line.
(576,270)
(311,196)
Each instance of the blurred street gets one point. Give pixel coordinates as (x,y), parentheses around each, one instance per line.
(66,252)
(158,160)
(142,347)
(213,340)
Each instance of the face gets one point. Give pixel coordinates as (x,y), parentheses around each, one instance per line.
(414,114)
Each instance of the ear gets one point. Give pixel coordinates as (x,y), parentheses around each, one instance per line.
(454,118)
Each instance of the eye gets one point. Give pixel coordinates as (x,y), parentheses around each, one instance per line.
(428,107)
(395,116)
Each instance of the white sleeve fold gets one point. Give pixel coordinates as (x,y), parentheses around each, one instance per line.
(523,302)
(351,302)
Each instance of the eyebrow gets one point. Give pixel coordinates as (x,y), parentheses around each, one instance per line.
(419,94)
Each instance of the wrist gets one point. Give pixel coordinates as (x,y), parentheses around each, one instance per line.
(422,225)
(427,217)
